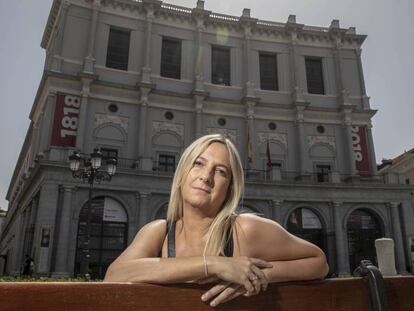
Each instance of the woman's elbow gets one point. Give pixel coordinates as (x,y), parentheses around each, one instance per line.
(113,274)
(323,267)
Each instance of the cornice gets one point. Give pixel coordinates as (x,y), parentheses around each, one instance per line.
(51,20)
(332,36)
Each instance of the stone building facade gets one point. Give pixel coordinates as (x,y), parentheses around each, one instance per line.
(142,79)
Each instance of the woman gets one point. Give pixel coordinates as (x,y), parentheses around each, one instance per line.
(203,240)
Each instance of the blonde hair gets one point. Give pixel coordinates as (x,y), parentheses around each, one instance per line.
(223,221)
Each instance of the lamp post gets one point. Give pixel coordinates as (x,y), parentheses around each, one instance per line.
(90,173)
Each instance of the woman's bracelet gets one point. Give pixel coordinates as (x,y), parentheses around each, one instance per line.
(205,265)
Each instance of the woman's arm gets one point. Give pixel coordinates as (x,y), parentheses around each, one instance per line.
(292,257)
(140,263)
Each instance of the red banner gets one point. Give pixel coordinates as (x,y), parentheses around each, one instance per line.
(65,124)
(360,148)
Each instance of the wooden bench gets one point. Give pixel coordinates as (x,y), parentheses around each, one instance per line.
(332,294)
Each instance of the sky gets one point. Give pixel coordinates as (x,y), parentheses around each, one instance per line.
(387,60)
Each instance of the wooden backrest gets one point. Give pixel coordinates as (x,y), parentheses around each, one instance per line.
(334,294)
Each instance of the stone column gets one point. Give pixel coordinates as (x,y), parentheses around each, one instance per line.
(144,208)
(89,60)
(301,141)
(35,142)
(21,236)
(365,98)
(149,6)
(341,256)
(198,103)
(250,133)
(62,247)
(293,30)
(277,213)
(56,62)
(247,23)
(144,151)
(46,215)
(83,112)
(199,16)
(47,121)
(397,237)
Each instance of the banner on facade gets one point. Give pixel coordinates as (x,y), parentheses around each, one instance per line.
(65,123)
(360,149)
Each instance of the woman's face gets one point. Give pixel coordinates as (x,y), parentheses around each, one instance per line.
(207,183)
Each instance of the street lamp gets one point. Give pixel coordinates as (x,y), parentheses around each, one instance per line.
(90,173)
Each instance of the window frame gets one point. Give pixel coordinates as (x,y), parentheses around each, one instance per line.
(165,72)
(312,88)
(325,176)
(215,66)
(124,53)
(167,165)
(275,86)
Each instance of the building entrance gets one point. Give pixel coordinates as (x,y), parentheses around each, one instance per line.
(108,235)
(363,228)
(305,224)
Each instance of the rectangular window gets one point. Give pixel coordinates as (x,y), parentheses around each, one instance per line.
(220,65)
(322,173)
(314,75)
(268,71)
(171,58)
(108,153)
(118,49)
(166,163)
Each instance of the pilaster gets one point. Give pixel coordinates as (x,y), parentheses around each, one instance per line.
(89,60)
(342,258)
(62,247)
(397,237)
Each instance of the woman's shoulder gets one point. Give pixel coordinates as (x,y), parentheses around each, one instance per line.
(252,225)
(157,226)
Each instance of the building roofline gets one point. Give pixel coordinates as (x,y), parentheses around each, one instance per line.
(333,30)
(51,20)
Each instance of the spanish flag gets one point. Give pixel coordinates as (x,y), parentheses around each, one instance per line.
(249,147)
(269,160)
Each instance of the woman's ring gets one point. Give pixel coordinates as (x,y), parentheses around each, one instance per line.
(254,278)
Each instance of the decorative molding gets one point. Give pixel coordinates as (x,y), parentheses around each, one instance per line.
(232,134)
(273,137)
(101,119)
(168,126)
(329,140)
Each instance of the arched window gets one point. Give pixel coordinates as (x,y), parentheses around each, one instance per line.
(108,235)
(305,224)
(363,228)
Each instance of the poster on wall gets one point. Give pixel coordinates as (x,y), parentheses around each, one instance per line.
(310,220)
(44,247)
(360,149)
(65,123)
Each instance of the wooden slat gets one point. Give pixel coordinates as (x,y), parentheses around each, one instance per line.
(335,294)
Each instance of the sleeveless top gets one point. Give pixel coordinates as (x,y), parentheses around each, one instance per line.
(228,249)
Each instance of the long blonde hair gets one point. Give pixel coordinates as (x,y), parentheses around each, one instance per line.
(222,223)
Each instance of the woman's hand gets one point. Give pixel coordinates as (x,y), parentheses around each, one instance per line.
(226,291)
(239,275)
(223,292)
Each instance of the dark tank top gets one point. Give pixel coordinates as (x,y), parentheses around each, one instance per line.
(228,249)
